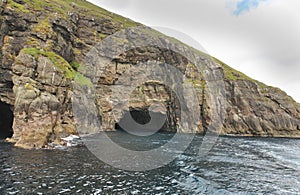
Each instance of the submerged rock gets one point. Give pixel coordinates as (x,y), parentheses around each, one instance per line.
(44,50)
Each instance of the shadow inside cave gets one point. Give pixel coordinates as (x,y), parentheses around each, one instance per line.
(142,120)
(6,120)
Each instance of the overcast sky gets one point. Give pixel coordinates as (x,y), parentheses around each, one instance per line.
(258,37)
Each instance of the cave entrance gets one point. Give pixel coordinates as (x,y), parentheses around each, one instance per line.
(6,120)
(153,107)
(149,121)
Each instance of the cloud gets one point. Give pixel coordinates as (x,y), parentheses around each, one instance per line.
(245,5)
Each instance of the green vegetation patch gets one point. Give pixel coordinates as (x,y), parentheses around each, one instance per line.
(75,65)
(68,70)
(43,26)
(63,7)
(16,6)
(232,74)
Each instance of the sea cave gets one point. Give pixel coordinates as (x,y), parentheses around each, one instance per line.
(6,120)
(145,120)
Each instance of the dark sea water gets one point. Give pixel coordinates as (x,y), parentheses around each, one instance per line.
(244,165)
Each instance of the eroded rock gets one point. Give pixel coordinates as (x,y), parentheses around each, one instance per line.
(44,51)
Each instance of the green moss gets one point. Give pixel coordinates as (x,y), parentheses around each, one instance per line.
(99,36)
(33,42)
(62,7)
(39,5)
(75,65)
(32,51)
(82,80)
(125,22)
(43,26)
(102,36)
(16,6)
(62,64)
(232,74)
(57,60)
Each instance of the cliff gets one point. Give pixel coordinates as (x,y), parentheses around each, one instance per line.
(44,50)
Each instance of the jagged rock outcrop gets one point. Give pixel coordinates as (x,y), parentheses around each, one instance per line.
(45,47)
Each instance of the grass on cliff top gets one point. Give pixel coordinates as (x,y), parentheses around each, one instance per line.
(62,64)
(64,7)
(234,75)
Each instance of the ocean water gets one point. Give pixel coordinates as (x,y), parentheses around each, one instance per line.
(234,165)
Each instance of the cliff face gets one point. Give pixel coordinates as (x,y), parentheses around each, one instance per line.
(43,47)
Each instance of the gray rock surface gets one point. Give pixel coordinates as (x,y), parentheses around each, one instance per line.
(45,48)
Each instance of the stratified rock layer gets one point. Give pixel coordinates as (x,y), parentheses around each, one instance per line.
(44,47)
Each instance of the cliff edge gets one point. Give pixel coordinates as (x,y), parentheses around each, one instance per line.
(44,47)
